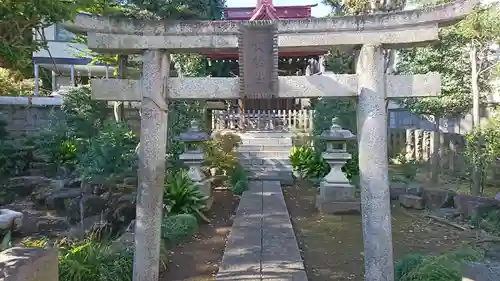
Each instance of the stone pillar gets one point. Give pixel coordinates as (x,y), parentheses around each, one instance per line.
(373,164)
(156,66)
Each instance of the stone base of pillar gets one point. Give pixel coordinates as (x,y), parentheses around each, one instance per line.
(339,207)
(205,187)
(337,199)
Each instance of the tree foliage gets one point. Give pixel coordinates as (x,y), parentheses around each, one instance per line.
(449,58)
(20,20)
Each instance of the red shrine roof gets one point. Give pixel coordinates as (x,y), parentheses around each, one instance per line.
(265,10)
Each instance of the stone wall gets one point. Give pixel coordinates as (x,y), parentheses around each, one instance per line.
(27,116)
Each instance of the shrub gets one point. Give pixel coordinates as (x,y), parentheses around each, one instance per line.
(238,180)
(221,153)
(175,228)
(110,155)
(181,196)
(67,136)
(83,116)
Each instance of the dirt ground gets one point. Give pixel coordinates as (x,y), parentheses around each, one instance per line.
(199,258)
(332,246)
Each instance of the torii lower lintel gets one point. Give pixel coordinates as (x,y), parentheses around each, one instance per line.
(341,85)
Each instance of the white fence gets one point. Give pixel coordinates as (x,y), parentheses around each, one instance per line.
(288,120)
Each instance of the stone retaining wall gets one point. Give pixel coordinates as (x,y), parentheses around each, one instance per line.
(27,116)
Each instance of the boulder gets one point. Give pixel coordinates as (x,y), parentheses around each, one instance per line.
(481,271)
(396,189)
(492,252)
(126,240)
(10,220)
(447,213)
(24,186)
(415,189)
(91,226)
(91,204)
(122,210)
(57,199)
(472,206)
(436,198)
(411,201)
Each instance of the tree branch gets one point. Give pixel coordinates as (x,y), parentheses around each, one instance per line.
(487,68)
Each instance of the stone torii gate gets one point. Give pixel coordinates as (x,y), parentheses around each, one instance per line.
(259,43)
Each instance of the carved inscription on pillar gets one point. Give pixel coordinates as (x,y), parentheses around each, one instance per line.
(258,59)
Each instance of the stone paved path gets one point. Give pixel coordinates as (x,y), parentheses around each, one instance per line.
(262,244)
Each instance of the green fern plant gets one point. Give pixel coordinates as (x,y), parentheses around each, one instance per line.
(308,163)
(181,196)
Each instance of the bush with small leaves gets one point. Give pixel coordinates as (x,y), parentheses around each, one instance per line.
(238,180)
(176,228)
(221,152)
(110,155)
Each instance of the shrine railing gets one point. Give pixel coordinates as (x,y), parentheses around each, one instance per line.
(288,120)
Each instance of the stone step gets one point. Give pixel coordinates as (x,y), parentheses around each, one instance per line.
(264,154)
(285,176)
(265,134)
(277,163)
(266,141)
(246,148)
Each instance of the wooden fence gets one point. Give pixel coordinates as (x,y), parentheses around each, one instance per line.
(288,120)
(418,145)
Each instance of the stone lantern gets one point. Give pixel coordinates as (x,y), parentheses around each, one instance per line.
(336,195)
(194,156)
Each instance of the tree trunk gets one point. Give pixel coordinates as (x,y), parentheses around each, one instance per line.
(476,122)
(435,158)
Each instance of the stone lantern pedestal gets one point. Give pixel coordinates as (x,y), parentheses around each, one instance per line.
(336,195)
(193,157)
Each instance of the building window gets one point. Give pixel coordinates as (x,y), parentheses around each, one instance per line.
(63,35)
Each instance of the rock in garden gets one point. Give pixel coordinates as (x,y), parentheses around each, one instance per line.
(436,198)
(24,186)
(10,219)
(492,253)
(415,189)
(481,271)
(91,226)
(396,189)
(56,199)
(471,206)
(447,213)
(122,210)
(411,201)
(90,204)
